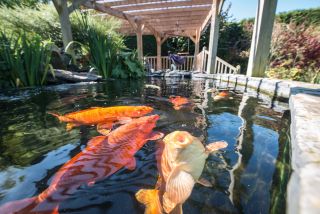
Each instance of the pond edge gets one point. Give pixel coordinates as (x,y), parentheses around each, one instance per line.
(303,190)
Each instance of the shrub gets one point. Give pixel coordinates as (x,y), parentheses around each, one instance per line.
(128,66)
(45,22)
(295,53)
(24,61)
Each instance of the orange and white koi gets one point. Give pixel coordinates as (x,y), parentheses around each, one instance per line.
(103,156)
(179,102)
(182,162)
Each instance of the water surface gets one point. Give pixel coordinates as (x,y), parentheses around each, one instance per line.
(249,176)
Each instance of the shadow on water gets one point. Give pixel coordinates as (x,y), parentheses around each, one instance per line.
(249,176)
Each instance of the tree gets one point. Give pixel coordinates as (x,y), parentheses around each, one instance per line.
(63,9)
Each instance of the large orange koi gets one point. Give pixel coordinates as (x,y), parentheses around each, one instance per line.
(182,161)
(103,156)
(179,102)
(103,117)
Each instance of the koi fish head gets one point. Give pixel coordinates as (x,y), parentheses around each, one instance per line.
(224,93)
(178,139)
(139,111)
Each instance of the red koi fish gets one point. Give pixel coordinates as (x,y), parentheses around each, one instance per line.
(179,102)
(103,156)
(182,161)
(104,118)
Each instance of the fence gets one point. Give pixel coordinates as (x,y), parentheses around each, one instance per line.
(200,65)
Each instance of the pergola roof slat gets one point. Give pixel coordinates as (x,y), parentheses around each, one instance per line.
(160,17)
(159,4)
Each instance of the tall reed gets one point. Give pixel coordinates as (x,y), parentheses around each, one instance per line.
(102,47)
(24,61)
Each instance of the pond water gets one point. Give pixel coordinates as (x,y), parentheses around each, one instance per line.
(249,176)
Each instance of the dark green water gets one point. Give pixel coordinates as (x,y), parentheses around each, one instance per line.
(249,176)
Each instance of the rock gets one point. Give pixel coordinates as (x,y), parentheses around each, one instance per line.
(304,185)
(72,77)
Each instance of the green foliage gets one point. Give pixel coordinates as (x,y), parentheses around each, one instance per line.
(295,53)
(20,3)
(128,66)
(23,61)
(299,17)
(45,22)
(102,47)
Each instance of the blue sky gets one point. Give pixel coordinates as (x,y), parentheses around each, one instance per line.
(241,9)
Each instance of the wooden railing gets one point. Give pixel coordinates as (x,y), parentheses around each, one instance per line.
(166,63)
(221,66)
(200,65)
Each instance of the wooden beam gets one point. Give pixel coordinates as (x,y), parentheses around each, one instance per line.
(159,66)
(177,18)
(164,39)
(196,47)
(214,34)
(203,12)
(203,8)
(208,17)
(170,25)
(139,41)
(261,38)
(160,4)
(119,14)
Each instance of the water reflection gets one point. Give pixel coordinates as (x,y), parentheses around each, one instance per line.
(250,176)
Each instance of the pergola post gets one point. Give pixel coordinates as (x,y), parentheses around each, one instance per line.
(158,39)
(139,40)
(261,38)
(214,34)
(197,42)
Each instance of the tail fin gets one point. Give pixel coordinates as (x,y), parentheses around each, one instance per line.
(150,198)
(61,117)
(29,205)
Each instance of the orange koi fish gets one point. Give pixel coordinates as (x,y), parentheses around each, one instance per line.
(221,95)
(103,156)
(179,102)
(103,117)
(182,161)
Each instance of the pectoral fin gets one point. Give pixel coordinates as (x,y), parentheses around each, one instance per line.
(179,185)
(204,182)
(131,165)
(212,147)
(104,128)
(156,135)
(70,126)
(150,198)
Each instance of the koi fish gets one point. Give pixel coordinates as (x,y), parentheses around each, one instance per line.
(182,162)
(221,95)
(103,117)
(103,156)
(179,102)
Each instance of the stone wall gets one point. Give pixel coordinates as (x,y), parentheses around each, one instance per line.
(303,191)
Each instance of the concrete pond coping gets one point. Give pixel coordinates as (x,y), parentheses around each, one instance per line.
(303,190)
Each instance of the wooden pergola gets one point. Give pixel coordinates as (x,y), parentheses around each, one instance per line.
(165,18)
